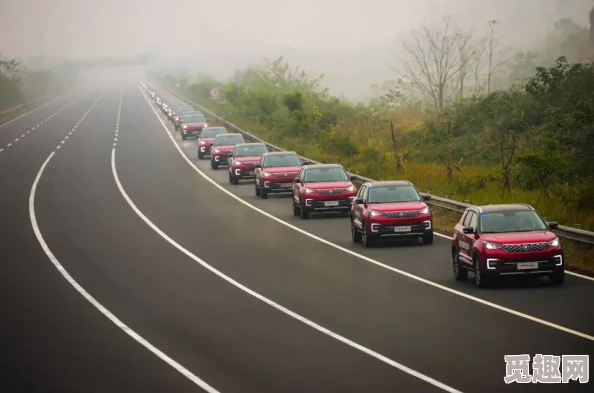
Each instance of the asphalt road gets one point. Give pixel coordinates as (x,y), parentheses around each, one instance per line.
(213,291)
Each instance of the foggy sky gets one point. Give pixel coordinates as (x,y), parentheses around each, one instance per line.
(84,28)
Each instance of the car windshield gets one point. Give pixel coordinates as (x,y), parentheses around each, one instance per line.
(282,160)
(229,139)
(315,175)
(250,150)
(393,194)
(211,132)
(194,118)
(511,221)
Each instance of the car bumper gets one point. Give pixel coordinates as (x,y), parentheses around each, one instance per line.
(276,186)
(328,205)
(523,266)
(221,158)
(244,173)
(204,150)
(191,132)
(405,230)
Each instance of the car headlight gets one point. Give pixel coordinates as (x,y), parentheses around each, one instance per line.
(308,190)
(424,211)
(554,242)
(185,127)
(266,174)
(205,125)
(351,189)
(373,213)
(491,246)
(216,150)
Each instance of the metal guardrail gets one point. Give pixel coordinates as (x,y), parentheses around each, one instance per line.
(16,108)
(576,234)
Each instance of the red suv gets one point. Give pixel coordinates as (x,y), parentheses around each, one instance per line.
(191,124)
(388,210)
(499,240)
(243,161)
(206,139)
(222,147)
(275,172)
(322,188)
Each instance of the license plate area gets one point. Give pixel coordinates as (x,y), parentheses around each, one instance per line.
(286,185)
(402,229)
(527,265)
(331,203)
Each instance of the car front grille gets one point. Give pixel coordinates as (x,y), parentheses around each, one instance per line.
(252,163)
(525,247)
(407,214)
(292,174)
(333,191)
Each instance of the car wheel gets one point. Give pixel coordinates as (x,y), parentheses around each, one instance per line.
(460,274)
(233,179)
(214,165)
(200,155)
(479,279)
(557,278)
(257,189)
(184,137)
(303,210)
(355,234)
(365,238)
(296,208)
(263,193)
(428,238)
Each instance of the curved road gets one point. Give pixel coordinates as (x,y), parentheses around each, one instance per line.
(130,266)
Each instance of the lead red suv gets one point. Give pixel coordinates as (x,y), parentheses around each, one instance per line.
(322,188)
(222,147)
(388,210)
(243,161)
(275,172)
(499,240)
(191,124)
(206,139)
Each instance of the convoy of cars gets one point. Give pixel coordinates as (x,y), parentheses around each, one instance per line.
(489,241)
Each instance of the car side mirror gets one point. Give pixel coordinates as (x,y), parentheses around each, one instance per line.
(358,201)
(468,230)
(296,180)
(354,178)
(553,225)
(426,197)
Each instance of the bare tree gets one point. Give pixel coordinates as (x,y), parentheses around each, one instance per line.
(497,56)
(438,61)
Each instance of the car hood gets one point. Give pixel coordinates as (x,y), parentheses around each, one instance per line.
(328,185)
(247,159)
(519,237)
(200,124)
(397,206)
(207,140)
(224,147)
(282,169)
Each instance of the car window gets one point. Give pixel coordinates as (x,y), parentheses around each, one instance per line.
(473,220)
(211,132)
(361,193)
(229,139)
(282,160)
(250,150)
(393,194)
(325,174)
(194,118)
(512,221)
(467,218)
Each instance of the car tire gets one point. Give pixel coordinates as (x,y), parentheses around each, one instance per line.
(214,165)
(296,209)
(479,280)
(303,211)
(263,193)
(184,137)
(428,238)
(355,234)
(233,179)
(460,274)
(256,188)
(557,278)
(200,155)
(365,238)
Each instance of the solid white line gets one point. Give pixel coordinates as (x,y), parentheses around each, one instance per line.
(178,367)
(361,256)
(266,300)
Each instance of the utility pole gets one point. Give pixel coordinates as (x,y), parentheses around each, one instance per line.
(491,24)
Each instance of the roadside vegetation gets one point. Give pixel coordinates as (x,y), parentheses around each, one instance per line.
(20,84)
(466,119)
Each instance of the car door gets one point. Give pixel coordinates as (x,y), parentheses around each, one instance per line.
(466,241)
(358,209)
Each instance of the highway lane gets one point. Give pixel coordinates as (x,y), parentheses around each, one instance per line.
(34,121)
(569,305)
(51,338)
(386,312)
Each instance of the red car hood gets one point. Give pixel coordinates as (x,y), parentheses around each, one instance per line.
(397,207)
(519,237)
(195,124)
(283,169)
(247,159)
(224,147)
(328,185)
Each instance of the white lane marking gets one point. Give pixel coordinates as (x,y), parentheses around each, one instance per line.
(1,150)
(10,144)
(16,140)
(31,111)
(361,256)
(178,367)
(57,147)
(22,136)
(266,300)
